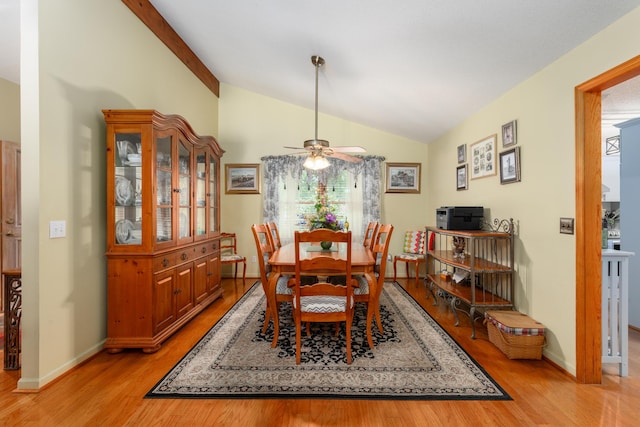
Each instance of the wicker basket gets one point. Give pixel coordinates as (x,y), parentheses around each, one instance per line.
(516,346)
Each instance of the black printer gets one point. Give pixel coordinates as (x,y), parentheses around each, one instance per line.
(459,217)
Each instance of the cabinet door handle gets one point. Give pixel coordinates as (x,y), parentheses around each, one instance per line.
(204,249)
(10,221)
(165,262)
(184,256)
(176,190)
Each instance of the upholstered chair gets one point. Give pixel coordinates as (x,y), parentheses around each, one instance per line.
(413,252)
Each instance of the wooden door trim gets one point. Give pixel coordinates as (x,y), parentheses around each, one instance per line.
(588,222)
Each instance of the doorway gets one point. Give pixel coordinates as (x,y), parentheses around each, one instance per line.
(11,225)
(588,101)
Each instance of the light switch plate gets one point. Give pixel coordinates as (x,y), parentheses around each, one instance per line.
(57,229)
(566,225)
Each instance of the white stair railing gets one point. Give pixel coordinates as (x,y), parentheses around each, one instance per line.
(615,308)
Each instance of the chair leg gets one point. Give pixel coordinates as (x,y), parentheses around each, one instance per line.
(370,310)
(406,266)
(235,275)
(348,329)
(267,317)
(378,318)
(244,271)
(276,325)
(417,273)
(394,269)
(298,339)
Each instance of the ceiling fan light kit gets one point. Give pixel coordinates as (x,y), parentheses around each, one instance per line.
(315,162)
(318,150)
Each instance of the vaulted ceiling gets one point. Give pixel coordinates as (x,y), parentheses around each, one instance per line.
(415,68)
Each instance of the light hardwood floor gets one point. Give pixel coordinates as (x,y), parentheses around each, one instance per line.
(108,390)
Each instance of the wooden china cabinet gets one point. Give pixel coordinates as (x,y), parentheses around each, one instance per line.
(163,216)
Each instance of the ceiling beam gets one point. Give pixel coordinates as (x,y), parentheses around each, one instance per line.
(148,14)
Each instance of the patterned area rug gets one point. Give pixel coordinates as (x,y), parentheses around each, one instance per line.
(414,359)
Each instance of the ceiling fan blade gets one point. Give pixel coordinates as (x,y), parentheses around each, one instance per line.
(295,148)
(344,157)
(346,149)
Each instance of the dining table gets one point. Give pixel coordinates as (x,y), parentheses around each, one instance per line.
(283,262)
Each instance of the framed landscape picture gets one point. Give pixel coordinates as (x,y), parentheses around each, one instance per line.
(242,178)
(403,178)
(483,157)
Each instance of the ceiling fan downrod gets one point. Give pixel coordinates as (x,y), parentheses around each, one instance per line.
(318,62)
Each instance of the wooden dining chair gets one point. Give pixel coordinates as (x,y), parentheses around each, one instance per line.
(413,252)
(265,249)
(370,234)
(370,287)
(322,301)
(229,253)
(275,235)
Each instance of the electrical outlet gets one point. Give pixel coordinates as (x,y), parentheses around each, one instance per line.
(254,259)
(389,257)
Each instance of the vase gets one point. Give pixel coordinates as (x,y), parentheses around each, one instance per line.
(326,245)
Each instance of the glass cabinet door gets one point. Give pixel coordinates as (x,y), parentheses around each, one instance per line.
(128,189)
(184,191)
(213,196)
(201,191)
(164,229)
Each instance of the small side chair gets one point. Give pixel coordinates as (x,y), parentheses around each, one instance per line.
(229,253)
(413,252)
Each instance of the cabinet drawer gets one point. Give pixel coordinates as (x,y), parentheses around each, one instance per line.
(203,250)
(164,261)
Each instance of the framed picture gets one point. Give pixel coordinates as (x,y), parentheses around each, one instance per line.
(403,178)
(242,178)
(462,153)
(510,166)
(509,134)
(461,177)
(483,157)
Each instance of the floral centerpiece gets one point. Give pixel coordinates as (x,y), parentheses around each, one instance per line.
(324,216)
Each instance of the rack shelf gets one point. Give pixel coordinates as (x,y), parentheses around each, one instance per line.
(482,264)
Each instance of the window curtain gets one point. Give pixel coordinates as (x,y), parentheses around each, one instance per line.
(283,176)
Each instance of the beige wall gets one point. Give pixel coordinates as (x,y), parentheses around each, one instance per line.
(81,57)
(9,111)
(253,126)
(544,108)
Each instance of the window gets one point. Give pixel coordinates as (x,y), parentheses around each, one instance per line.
(289,189)
(297,198)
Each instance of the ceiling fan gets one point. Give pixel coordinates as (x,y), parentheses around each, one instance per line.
(318,149)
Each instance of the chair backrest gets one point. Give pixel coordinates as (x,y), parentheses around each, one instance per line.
(274,234)
(264,249)
(380,252)
(381,247)
(228,244)
(415,242)
(370,234)
(334,263)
